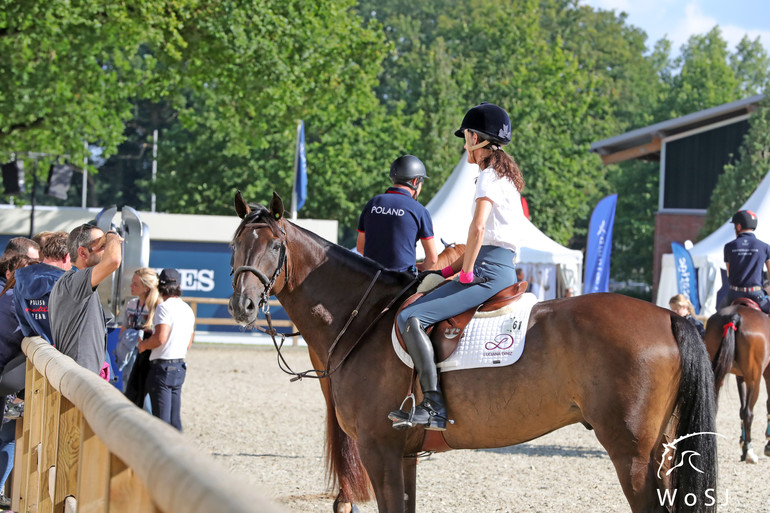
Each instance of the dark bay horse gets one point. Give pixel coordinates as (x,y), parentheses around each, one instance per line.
(738,341)
(636,374)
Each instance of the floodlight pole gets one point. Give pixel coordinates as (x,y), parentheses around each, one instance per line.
(154,167)
(84,195)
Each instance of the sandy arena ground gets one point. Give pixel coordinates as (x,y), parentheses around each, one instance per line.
(239,407)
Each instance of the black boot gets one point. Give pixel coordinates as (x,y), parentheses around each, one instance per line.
(431,412)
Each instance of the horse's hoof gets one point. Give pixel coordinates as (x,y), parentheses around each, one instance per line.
(751,456)
(767,450)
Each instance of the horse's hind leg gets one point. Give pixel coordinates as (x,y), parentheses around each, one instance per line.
(767,432)
(633,455)
(747,416)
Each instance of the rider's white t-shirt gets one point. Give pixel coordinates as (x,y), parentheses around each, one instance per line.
(180,318)
(506,209)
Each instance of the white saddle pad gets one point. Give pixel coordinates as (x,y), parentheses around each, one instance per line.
(491,339)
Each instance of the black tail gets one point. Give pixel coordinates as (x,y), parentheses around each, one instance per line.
(723,360)
(696,410)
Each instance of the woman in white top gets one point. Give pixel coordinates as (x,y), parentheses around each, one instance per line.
(486,268)
(174,330)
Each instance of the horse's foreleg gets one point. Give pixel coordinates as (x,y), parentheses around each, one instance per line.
(409,465)
(383,463)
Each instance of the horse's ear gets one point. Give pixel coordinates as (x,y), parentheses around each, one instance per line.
(276,206)
(241,207)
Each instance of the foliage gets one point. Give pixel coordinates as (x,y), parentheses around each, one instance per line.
(225,82)
(740,179)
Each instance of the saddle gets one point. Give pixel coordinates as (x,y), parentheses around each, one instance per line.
(446,334)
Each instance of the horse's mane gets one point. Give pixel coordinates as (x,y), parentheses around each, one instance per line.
(356,263)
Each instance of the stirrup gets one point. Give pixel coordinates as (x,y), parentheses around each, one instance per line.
(402,419)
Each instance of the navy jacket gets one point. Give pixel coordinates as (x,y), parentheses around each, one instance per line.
(30,295)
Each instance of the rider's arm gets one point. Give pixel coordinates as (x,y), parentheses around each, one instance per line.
(431,255)
(360,243)
(110,261)
(476,233)
(158,338)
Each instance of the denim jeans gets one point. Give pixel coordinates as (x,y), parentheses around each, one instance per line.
(7,445)
(164,385)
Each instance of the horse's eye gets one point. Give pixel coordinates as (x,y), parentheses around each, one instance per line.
(276,246)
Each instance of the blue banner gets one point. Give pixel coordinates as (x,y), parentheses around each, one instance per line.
(600,246)
(686,279)
(300,172)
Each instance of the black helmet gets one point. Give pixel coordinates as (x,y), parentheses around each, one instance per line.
(489,121)
(746,218)
(406,168)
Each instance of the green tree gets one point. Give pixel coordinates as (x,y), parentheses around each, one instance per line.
(751,66)
(739,180)
(705,78)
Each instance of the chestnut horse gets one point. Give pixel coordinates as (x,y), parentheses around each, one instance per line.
(738,341)
(450,253)
(636,374)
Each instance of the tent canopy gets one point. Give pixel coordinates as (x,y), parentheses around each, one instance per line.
(541,258)
(708,254)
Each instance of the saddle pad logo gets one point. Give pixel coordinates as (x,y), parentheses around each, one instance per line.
(451,333)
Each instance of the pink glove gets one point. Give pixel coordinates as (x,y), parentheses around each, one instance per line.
(466,277)
(447,271)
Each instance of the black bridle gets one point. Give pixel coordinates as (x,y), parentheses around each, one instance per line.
(264,305)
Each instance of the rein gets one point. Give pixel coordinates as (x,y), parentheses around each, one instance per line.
(326,373)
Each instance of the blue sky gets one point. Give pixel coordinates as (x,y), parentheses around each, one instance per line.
(679,19)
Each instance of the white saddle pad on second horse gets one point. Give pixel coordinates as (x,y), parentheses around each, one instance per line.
(491,339)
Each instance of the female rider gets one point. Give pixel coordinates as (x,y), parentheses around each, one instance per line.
(487,266)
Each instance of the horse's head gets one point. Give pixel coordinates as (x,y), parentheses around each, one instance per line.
(259,257)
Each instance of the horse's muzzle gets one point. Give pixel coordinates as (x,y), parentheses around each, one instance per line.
(243,309)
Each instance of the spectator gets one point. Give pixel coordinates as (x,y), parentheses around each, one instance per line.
(22,246)
(34,284)
(569,292)
(174,330)
(136,319)
(681,305)
(78,322)
(10,351)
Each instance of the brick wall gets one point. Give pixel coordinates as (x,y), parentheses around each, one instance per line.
(672,227)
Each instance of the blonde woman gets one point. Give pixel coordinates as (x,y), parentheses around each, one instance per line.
(681,305)
(137,319)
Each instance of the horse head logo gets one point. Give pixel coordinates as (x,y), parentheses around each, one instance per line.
(688,457)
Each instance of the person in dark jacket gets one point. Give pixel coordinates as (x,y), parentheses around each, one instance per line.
(34,284)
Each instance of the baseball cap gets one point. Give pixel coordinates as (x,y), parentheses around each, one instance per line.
(169,276)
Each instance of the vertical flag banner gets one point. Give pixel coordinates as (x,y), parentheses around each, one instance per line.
(686,279)
(600,246)
(299,189)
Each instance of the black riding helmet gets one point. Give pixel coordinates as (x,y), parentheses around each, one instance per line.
(746,218)
(405,169)
(489,121)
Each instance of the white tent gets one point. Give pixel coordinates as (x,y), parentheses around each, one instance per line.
(549,266)
(708,254)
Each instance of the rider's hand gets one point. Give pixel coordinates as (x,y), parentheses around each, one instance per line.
(469,279)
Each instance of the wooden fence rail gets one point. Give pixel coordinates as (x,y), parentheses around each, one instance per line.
(81,444)
(229,321)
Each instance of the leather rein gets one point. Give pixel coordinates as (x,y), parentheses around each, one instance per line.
(264,305)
